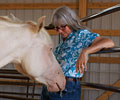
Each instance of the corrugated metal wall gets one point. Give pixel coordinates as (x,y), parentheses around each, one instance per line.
(103,73)
(97,73)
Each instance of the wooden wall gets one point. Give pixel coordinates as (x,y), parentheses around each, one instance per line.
(104,69)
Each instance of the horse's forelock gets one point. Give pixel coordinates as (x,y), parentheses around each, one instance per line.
(32,26)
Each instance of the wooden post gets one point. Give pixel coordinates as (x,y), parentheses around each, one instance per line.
(82,12)
(82,8)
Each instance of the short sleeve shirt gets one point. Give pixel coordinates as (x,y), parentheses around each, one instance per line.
(68,51)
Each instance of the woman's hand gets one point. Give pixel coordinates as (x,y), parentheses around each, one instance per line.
(81,63)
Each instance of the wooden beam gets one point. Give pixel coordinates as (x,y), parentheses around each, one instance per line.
(53,5)
(109,60)
(101,32)
(101,5)
(107,94)
(107,32)
(23,6)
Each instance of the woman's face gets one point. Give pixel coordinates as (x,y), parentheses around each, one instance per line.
(63,30)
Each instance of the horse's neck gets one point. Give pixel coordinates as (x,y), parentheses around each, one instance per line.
(9,30)
(13,38)
(9,24)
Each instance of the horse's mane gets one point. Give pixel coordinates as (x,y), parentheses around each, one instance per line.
(10,19)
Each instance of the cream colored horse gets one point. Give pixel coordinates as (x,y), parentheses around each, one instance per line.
(29,47)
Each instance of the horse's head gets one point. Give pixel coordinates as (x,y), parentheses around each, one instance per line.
(39,61)
(28,44)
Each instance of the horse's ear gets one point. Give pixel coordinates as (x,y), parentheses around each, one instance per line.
(14,19)
(40,23)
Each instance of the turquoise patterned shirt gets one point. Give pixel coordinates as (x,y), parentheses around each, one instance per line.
(68,51)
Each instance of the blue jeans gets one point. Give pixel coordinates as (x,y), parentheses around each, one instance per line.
(72,91)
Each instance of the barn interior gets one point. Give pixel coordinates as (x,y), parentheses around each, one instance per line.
(101,81)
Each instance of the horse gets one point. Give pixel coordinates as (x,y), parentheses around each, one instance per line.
(29,47)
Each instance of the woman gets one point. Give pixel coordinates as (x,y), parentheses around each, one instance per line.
(72,52)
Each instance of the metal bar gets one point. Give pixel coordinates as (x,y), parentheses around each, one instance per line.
(14,77)
(33,90)
(16,83)
(27,92)
(101,13)
(16,97)
(17,93)
(49,27)
(8,71)
(101,86)
(109,50)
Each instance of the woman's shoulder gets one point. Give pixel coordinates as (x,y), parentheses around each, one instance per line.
(84,31)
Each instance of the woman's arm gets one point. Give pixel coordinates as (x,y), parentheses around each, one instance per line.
(98,44)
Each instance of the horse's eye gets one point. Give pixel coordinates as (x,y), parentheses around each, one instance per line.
(50,49)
